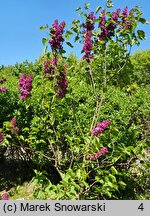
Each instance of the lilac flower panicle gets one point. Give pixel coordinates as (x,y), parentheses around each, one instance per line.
(1,137)
(125,12)
(89,24)
(62,86)
(56,33)
(102,25)
(102,17)
(25,86)
(49,66)
(100,128)
(101,152)
(14,127)
(3,89)
(88,43)
(13,122)
(115,15)
(87,47)
(126,16)
(107,31)
(5,196)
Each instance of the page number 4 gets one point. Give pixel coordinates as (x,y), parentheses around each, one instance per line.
(141,207)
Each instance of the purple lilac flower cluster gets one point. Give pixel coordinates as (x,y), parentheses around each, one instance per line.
(107,31)
(108,26)
(3,89)
(88,45)
(1,137)
(13,125)
(89,24)
(56,33)
(5,196)
(25,86)
(100,128)
(49,67)
(126,18)
(62,85)
(101,152)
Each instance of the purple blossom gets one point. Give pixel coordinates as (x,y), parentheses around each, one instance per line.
(49,66)
(1,137)
(125,12)
(100,128)
(56,33)
(5,196)
(107,31)
(101,152)
(62,86)
(126,22)
(3,89)
(89,24)
(87,47)
(25,86)
(13,124)
(102,25)
(115,15)
(102,18)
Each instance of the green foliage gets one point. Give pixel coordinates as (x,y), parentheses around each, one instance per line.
(141,67)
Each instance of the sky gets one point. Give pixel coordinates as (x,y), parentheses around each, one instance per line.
(20,20)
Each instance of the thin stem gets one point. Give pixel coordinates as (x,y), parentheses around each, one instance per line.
(97,111)
(93,83)
(105,68)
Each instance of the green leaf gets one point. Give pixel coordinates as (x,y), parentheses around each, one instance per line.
(25,129)
(44,41)
(141,34)
(109,4)
(144,21)
(112,177)
(113,170)
(98,8)
(77,38)
(122,184)
(69,32)
(86,6)
(44,27)
(69,44)
(79,8)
